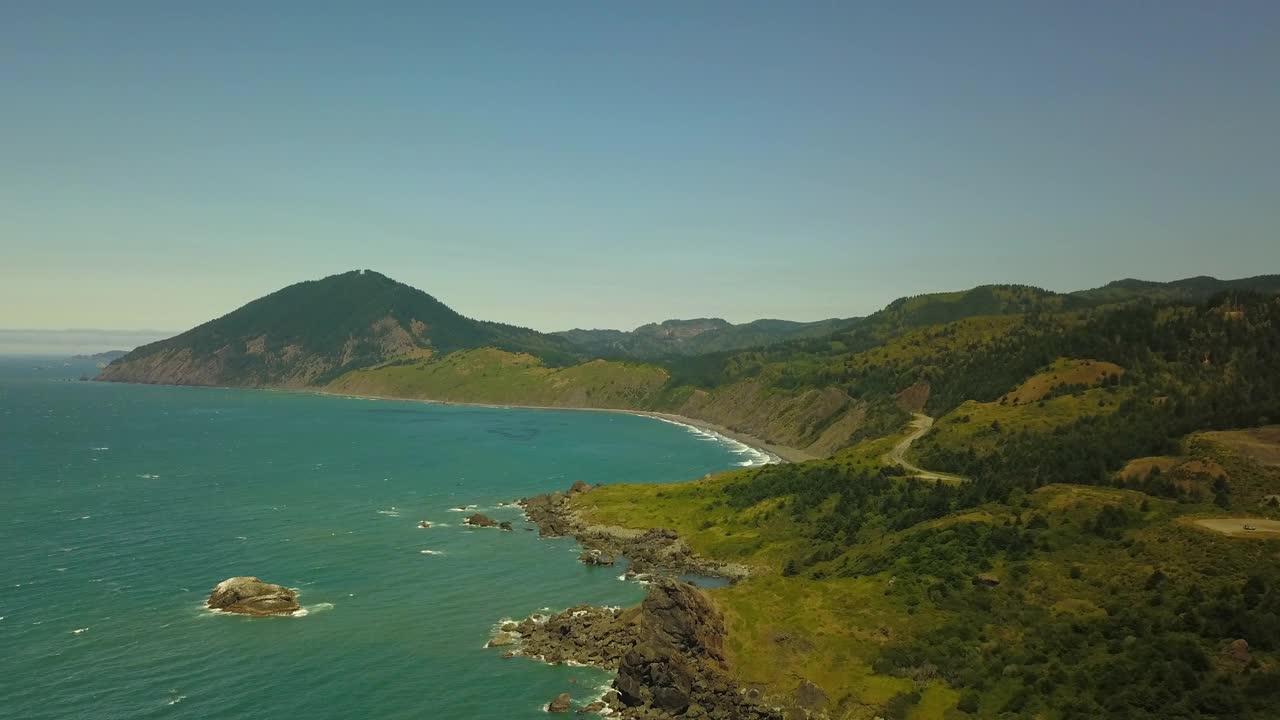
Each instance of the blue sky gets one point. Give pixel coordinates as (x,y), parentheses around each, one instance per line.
(561,164)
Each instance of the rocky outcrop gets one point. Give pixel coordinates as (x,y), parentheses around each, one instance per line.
(585,634)
(655,551)
(480,520)
(668,653)
(560,704)
(250,596)
(1236,653)
(677,667)
(595,557)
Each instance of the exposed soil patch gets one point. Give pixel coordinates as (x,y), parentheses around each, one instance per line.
(1235,527)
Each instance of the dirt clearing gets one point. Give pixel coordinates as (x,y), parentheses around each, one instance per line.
(1236,526)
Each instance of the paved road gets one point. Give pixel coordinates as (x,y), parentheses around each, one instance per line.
(898,455)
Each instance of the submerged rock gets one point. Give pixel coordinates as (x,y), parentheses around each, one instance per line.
(250,596)
(480,520)
(505,525)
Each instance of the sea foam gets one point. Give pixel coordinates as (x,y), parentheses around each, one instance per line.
(754,456)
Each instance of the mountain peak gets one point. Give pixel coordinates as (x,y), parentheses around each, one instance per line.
(309,332)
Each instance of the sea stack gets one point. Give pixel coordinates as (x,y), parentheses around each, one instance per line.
(480,520)
(250,596)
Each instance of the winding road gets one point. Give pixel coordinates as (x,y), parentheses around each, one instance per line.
(898,455)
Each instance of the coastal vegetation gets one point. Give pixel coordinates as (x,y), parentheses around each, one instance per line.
(1091,535)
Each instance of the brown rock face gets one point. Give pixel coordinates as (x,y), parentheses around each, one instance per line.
(579,487)
(481,520)
(678,659)
(1237,651)
(561,704)
(250,596)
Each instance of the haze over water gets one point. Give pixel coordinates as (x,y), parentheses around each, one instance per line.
(125,504)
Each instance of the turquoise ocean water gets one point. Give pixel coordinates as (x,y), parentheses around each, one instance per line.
(124,504)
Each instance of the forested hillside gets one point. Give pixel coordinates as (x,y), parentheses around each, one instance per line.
(1101,540)
(838,383)
(311,332)
(695,337)
(1101,555)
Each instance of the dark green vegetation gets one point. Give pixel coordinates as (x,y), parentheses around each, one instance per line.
(695,337)
(1093,562)
(1089,566)
(904,598)
(311,332)
(815,387)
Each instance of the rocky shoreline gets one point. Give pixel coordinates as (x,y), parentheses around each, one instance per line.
(656,551)
(668,652)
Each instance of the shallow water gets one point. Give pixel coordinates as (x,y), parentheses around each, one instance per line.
(124,505)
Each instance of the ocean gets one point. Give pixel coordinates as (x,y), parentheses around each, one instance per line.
(123,505)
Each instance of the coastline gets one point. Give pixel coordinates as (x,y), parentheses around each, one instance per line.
(775,453)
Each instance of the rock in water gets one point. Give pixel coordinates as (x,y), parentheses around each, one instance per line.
(595,557)
(481,520)
(561,704)
(251,596)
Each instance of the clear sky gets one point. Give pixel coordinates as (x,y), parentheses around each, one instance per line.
(604,164)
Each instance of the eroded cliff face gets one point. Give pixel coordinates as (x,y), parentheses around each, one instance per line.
(816,421)
(677,667)
(668,653)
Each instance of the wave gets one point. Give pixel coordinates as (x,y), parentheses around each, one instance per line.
(431,552)
(312,609)
(755,456)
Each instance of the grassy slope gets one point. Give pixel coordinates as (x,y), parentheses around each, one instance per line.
(493,376)
(1032,407)
(831,626)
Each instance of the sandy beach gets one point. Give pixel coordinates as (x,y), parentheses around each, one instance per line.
(780,453)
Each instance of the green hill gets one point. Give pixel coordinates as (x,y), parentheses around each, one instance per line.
(313,331)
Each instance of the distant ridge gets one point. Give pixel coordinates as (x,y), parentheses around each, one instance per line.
(1193,289)
(697,336)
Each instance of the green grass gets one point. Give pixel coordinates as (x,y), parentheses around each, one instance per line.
(833,624)
(982,426)
(488,375)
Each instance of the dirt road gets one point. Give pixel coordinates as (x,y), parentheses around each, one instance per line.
(1235,526)
(898,455)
